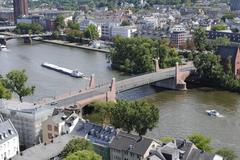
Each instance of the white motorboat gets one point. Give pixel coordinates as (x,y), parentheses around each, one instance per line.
(3,47)
(213,113)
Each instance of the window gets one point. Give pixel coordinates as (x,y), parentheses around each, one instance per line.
(55,128)
(50,136)
(49,127)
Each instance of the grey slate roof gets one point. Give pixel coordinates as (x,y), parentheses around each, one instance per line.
(98,134)
(184,146)
(45,152)
(7,131)
(131,143)
(196,154)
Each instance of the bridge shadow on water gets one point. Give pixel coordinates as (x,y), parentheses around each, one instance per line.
(140,92)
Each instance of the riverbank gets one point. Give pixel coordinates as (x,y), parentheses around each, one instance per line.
(75,45)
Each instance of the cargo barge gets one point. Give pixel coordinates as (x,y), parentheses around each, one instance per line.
(72,73)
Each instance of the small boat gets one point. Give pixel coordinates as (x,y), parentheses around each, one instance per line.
(3,47)
(213,113)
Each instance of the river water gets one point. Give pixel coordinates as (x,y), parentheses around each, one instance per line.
(181,112)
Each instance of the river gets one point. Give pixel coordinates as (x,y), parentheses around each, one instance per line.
(181,112)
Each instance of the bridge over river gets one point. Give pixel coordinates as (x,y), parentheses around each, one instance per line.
(173,76)
(27,37)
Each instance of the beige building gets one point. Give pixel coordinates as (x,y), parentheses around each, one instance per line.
(131,147)
(59,124)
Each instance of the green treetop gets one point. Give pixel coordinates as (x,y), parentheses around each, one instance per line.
(59,23)
(201,142)
(226,153)
(83,155)
(15,81)
(200,39)
(4,92)
(75,145)
(91,32)
(140,116)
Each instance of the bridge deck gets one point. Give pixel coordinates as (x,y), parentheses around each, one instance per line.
(123,85)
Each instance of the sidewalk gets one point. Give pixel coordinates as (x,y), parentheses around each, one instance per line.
(76,45)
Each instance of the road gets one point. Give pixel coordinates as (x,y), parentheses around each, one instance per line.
(123,85)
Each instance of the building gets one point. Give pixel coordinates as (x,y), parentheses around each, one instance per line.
(131,147)
(178,36)
(235,5)
(86,22)
(62,123)
(180,150)
(106,28)
(233,37)
(124,31)
(100,136)
(27,119)
(231,52)
(44,152)
(20,8)
(9,140)
(7,14)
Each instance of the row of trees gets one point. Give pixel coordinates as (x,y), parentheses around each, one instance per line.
(202,43)
(79,149)
(204,143)
(138,116)
(135,55)
(72,30)
(15,82)
(29,28)
(209,67)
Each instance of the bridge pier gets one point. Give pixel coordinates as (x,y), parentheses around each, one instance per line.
(176,83)
(111,95)
(27,40)
(156,63)
(92,82)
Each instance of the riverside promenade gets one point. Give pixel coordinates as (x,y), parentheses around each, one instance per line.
(75,45)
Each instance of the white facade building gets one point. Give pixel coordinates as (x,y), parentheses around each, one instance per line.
(9,140)
(27,118)
(124,31)
(86,22)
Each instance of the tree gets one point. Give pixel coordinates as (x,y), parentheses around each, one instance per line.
(125,23)
(36,28)
(201,142)
(4,92)
(226,153)
(135,55)
(209,67)
(137,115)
(59,23)
(73,25)
(146,116)
(122,116)
(75,145)
(220,41)
(200,39)
(219,27)
(103,110)
(83,155)
(74,35)
(167,139)
(91,32)
(15,81)
(26,28)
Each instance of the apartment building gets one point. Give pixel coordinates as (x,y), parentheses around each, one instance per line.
(9,140)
